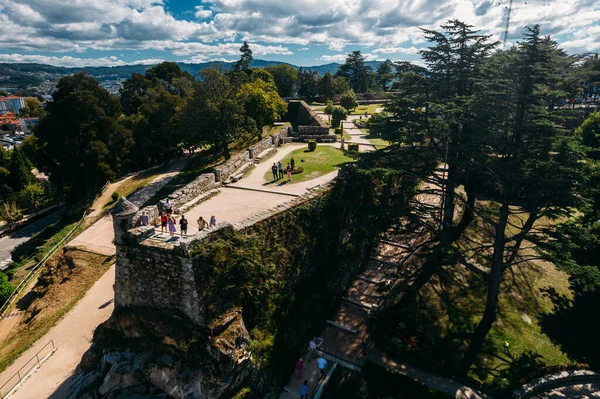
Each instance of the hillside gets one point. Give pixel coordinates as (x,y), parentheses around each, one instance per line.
(22,75)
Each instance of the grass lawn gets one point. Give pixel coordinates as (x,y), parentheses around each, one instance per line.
(323,160)
(347,136)
(360,110)
(375,140)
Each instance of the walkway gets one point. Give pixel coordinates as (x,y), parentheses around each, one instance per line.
(72,336)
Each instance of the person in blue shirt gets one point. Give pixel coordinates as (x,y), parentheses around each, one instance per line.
(304,390)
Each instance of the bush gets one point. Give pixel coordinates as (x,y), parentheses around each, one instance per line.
(28,248)
(312,145)
(115,196)
(298,170)
(6,288)
(339,131)
(353,147)
(292,163)
(335,123)
(339,114)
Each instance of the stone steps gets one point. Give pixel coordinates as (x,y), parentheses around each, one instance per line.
(269,152)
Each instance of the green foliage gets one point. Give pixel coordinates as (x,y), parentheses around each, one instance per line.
(292,163)
(285,77)
(80,133)
(384,74)
(327,88)
(589,131)
(10,213)
(262,102)
(356,72)
(337,115)
(312,145)
(348,100)
(329,107)
(353,147)
(115,196)
(34,195)
(20,171)
(6,288)
(243,64)
(308,84)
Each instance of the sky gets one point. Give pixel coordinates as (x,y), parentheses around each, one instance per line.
(300,32)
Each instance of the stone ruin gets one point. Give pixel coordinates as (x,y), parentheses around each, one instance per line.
(306,124)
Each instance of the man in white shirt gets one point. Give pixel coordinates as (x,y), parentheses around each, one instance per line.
(312,346)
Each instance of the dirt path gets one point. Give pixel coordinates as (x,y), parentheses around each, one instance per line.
(72,336)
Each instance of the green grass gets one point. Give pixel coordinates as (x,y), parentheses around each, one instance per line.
(323,160)
(346,136)
(378,141)
(269,130)
(360,110)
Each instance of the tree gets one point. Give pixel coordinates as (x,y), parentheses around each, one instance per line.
(80,133)
(356,72)
(34,195)
(384,74)
(132,92)
(531,171)
(6,289)
(243,64)
(348,100)
(340,85)
(327,87)
(215,115)
(329,107)
(589,131)
(285,77)
(338,114)
(20,170)
(308,84)
(262,103)
(10,213)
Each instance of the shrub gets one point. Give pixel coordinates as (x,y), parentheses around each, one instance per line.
(312,145)
(335,123)
(348,100)
(292,163)
(339,131)
(298,170)
(353,147)
(339,114)
(6,288)
(115,196)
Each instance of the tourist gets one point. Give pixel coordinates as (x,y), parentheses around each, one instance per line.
(201,223)
(213,222)
(168,208)
(163,222)
(312,347)
(299,367)
(274,171)
(171,223)
(322,364)
(288,168)
(144,219)
(280,169)
(183,224)
(304,390)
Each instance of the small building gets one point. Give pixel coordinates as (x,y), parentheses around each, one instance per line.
(11,104)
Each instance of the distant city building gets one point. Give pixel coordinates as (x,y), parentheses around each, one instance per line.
(11,104)
(28,123)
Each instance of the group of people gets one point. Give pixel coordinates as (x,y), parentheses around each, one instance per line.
(277,170)
(168,222)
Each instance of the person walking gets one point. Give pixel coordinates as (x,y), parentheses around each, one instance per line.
(201,223)
(288,168)
(280,169)
(171,223)
(163,222)
(322,364)
(312,347)
(144,219)
(183,225)
(274,171)
(168,207)
(363,348)
(213,222)
(304,390)
(299,367)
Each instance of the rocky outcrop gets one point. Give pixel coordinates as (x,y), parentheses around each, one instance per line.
(152,354)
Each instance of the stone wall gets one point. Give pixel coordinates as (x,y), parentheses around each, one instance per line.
(313,130)
(158,274)
(203,183)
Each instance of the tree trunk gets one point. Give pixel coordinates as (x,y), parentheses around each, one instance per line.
(225,149)
(428,270)
(468,214)
(491,305)
(448,215)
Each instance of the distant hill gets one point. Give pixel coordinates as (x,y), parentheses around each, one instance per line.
(23,75)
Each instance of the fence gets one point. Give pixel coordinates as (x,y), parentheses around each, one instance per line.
(17,292)
(35,361)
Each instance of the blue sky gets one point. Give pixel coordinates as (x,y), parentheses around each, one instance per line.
(301,32)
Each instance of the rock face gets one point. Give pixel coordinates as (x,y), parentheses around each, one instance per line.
(166,356)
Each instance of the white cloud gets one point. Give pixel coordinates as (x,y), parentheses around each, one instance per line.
(397,50)
(333,58)
(303,49)
(202,13)
(68,61)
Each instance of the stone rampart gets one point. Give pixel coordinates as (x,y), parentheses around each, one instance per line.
(154,273)
(313,130)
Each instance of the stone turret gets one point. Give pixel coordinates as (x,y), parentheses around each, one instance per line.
(124,218)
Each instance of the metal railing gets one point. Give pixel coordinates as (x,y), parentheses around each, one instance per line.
(35,361)
(17,292)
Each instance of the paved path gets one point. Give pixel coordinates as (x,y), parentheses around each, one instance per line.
(581,391)
(8,243)
(72,336)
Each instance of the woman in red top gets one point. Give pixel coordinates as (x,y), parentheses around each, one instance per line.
(163,222)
